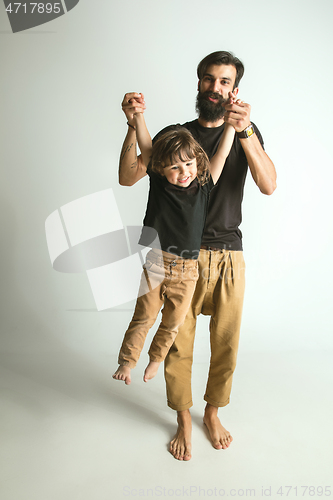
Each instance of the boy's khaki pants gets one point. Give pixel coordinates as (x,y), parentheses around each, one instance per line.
(169,280)
(219,293)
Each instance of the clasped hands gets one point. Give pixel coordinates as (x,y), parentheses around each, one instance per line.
(237,111)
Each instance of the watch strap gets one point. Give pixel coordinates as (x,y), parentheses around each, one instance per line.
(246,133)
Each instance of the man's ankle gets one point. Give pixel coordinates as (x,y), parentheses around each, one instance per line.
(183,415)
(211,410)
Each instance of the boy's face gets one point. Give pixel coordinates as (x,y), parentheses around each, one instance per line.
(181,173)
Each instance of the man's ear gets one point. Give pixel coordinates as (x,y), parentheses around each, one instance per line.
(199,86)
(236,90)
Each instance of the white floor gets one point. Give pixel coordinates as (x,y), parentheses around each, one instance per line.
(70,432)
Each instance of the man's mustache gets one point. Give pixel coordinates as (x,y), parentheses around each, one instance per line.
(214,95)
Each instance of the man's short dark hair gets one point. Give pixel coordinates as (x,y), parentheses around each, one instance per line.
(221,57)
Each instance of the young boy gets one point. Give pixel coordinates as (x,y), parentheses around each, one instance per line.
(181,179)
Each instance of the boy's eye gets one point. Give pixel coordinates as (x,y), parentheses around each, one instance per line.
(189,164)
(174,167)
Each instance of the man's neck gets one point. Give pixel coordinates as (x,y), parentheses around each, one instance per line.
(206,124)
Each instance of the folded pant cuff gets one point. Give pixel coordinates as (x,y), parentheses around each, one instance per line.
(216,403)
(130,364)
(180,407)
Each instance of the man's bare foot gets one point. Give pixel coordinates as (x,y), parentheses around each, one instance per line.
(151,370)
(220,437)
(123,373)
(180,446)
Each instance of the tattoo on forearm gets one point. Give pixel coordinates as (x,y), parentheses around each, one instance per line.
(123,153)
(126,150)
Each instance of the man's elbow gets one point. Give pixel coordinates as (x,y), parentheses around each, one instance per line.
(125,181)
(268,189)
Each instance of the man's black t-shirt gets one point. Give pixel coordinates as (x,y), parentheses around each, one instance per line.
(177,214)
(224,209)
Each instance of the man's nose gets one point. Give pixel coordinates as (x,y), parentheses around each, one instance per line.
(216,86)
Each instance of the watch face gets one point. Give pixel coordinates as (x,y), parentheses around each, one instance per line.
(247,132)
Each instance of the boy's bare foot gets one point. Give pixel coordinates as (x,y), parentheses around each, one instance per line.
(220,437)
(123,373)
(180,446)
(151,370)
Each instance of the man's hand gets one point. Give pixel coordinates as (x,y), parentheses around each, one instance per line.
(261,166)
(133,103)
(237,113)
(131,167)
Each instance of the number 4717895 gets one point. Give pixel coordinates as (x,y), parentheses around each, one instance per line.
(41,8)
(305,491)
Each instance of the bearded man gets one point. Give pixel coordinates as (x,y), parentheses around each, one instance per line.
(220,289)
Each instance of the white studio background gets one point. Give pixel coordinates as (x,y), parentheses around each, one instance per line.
(61,133)
(62,130)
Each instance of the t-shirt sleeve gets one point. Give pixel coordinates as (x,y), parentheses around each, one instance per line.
(258,134)
(149,169)
(209,185)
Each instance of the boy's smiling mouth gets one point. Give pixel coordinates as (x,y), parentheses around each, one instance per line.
(183,180)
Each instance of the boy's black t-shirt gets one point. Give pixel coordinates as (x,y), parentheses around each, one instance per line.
(177,214)
(224,209)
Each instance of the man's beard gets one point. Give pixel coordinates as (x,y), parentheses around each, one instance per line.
(208,110)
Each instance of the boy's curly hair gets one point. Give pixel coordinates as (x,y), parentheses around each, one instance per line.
(176,145)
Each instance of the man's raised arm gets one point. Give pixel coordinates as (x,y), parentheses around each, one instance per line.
(261,166)
(131,166)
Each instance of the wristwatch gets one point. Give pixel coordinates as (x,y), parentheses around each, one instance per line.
(246,133)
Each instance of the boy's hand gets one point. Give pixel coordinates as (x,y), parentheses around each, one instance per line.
(232,98)
(133,103)
(138,118)
(237,113)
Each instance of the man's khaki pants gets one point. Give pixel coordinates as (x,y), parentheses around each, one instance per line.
(219,293)
(166,280)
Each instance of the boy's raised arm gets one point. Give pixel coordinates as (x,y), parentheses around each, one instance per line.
(218,160)
(144,139)
(131,166)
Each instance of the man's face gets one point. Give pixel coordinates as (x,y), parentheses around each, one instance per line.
(213,88)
